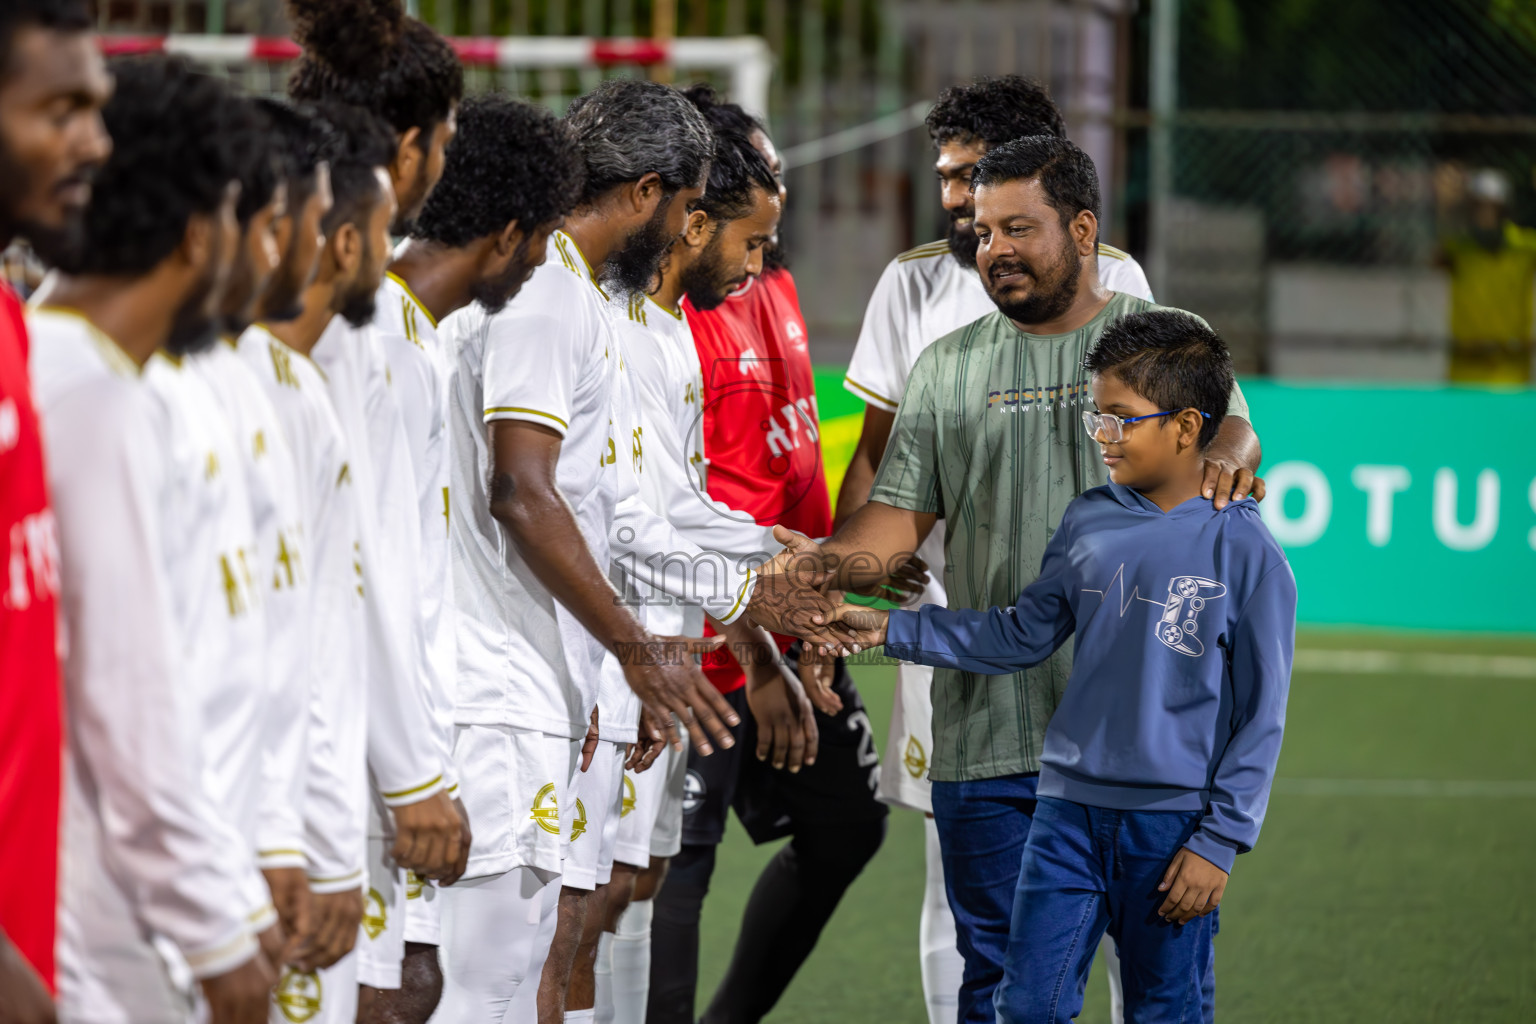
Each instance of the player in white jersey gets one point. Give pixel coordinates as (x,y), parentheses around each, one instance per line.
(924,294)
(374,57)
(483,230)
(537,462)
(412,823)
(158,882)
(721,247)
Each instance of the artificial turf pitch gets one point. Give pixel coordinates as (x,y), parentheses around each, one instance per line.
(1395,880)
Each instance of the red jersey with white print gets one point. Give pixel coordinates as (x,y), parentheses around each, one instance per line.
(762,434)
(31,702)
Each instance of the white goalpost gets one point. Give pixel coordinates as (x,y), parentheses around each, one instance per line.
(743,63)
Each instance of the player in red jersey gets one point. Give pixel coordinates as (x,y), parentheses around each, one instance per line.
(762,446)
(52,85)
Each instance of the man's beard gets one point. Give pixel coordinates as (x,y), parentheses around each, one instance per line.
(359,303)
(962,240)
(284,298)
(54,245)
(192,329)
(1052,295)
(704,283)
(494,294)
(633,266)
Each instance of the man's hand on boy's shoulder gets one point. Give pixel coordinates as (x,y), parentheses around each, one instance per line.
(1194,886)
(1232,461)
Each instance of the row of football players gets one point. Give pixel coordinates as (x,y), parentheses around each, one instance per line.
(262,727)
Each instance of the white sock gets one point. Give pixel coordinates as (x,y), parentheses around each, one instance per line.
(942,964)
(632,963)
(602,978)
(578,1016)
(1111,957)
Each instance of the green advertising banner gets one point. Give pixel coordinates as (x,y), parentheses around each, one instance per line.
(1412,508)
(1400,507)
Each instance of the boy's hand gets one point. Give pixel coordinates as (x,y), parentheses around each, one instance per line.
(855,627)
(1194,886)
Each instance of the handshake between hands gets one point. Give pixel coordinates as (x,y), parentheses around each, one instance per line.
(797,594)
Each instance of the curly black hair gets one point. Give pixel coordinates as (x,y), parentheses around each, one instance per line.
(60,15)
(360,143)
(509,161)
(993,111)
(1066,173)
(739,167)
(627,128)
(301,138)
(263,162)
(371,54)
(1172,359)
(179,137)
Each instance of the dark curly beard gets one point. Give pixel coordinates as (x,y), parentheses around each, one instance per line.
(963,242)
(633,266)
(1053,292)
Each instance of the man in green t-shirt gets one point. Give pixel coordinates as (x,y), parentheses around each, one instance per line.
(989,437)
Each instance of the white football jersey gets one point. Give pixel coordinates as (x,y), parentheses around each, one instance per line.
(404,749)
(666,385)
(419,370)
(145,854)
(547,358)
(279,566)
(924,294)
(209,545)
(330,632)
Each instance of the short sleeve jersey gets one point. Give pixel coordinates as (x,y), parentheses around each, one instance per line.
(762,432)
(548,358)
(30,730)
(989,437)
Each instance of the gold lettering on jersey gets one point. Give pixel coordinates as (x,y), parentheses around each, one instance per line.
(579,823)
(375,918)
(211,466)
(636,448)
(688,395)
(546,814)
(282,365)
(298,995)
(357,565)
(613,452)
(627,805)
(285,560)
(232,592)
(345,476)
(259,445)
(445,510)
(413,884)
(914,758)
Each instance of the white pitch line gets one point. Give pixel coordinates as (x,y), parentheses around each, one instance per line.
(1452,788)
(1418,663)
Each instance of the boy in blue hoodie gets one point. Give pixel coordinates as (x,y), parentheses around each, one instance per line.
(1158,761)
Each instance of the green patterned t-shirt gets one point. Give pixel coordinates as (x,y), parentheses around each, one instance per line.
(989,436)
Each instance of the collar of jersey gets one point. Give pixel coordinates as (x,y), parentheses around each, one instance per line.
(675,316)
(591,274)
(412,295)
(117,359)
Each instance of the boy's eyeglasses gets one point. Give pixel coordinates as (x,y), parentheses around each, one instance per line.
(1114,426)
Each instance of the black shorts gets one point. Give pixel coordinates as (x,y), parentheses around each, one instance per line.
(772,802)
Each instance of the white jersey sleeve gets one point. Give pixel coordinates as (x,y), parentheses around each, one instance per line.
(403,749)
(419,379)
(133,722)
(281,572)
(1119,272)
(877,373)
(335,801)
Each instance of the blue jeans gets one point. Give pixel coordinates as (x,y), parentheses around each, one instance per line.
(982,828)
(1088,869)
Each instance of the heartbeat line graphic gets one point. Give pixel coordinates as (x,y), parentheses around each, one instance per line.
(1125,599)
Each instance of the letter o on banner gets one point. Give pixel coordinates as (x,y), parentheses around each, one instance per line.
(1317,507)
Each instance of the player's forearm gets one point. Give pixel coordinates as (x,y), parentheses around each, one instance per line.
(874,542)
(749,643)
(541,524)
(1236,443)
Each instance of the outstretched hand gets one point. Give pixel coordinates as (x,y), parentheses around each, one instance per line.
(852,628)
(792,587)
(666,678)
